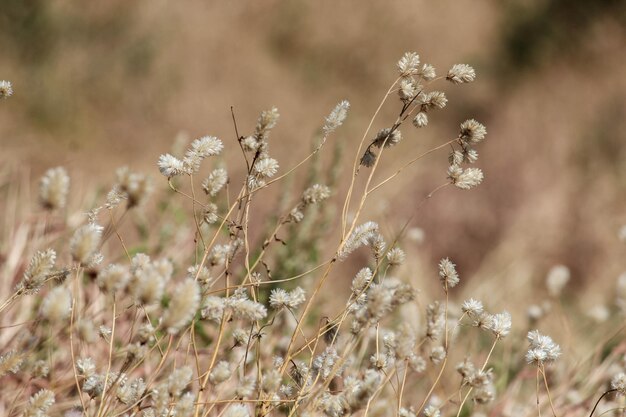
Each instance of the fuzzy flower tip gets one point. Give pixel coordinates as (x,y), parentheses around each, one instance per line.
(461,73)
(6,89)
(183,306)
(54,188)
(170,166)
(336,117)
(542,348)
(409,64)
(447,273)
(465,178)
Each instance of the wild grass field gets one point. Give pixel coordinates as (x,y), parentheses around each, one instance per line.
(257,209)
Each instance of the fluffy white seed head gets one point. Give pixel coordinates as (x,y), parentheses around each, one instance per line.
(113,278)
(315,194)
(473,308)
(465,178)
(427,72)
(54,188)
(420,119)
(216,180)
(409,64)
(266,167)
(280,298)
(542,349)
(6,89)
(40,266)
(447,273)
(336,117)
(85,243)
(39,403)
(461,73)
(170,166)
(387,137)
(472,132)
(360,236)
(618,382)
(500,324)
(57,305)
(183,306)
(220,373)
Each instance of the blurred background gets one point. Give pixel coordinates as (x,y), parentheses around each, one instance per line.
(105,84)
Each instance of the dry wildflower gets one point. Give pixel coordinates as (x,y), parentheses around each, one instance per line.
(323,364)
(427,72)
(387,137)
(420,119)
(213,308)
(395,257)
(216,180)
(417,363)
(85,243)
(447,274)
(266,167)
(183,306)
(408,89)
(542,349)
(280,298)
(40,369)
(361,280)
(6,89)
(266,121)
(113,278)
(105,333)
(465,179)
(210,214)
(148,286)
(557,278)
(57,305)
(237,410)
(39,404)
(437,354)
(500,324)
(39,268)
(334,405)
(408,64)
(472,132)
(435,320)
(220,373)
(336,117)
(54,188)
(357,392)
(618,382)
(11,362)
(432,411)
(86,367)
(315,194)
(170,166)
(360,236)
(271,380)
(178,380)
(135,186)
(433,100)
(201,148)
(185,406)
(461,73)
(473,308)
(242,307)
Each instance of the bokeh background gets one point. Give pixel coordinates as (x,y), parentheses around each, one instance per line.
(104,84)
